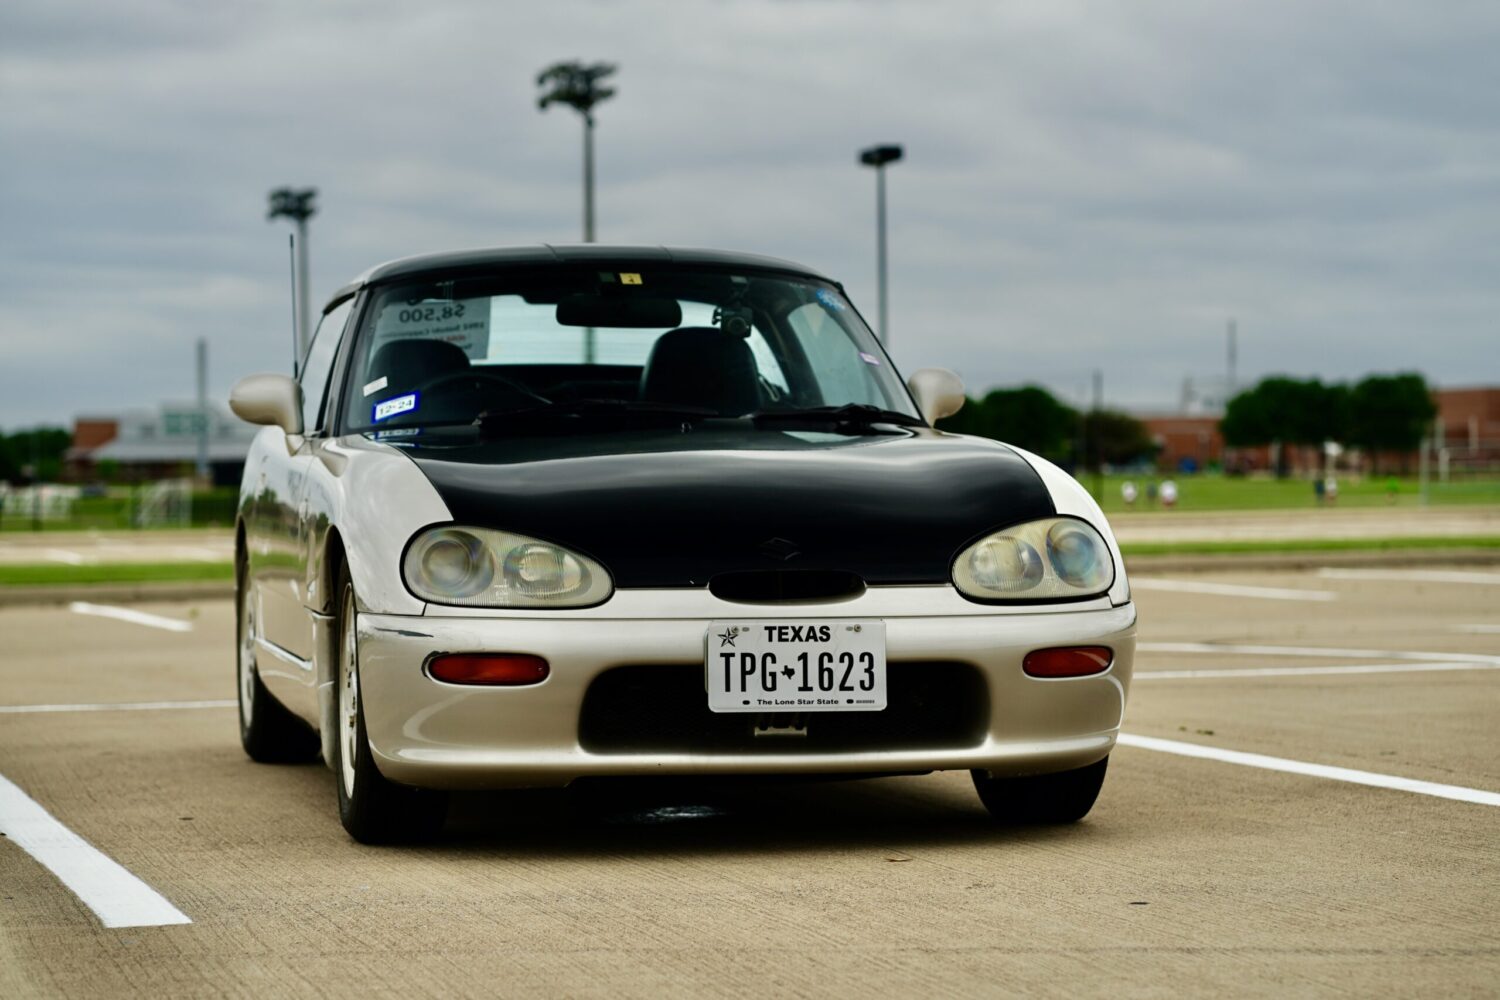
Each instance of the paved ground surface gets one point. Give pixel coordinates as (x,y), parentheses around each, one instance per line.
(209,545)
(1191,877)
(1319,523)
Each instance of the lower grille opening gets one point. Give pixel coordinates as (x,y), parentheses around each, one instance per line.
(664,709)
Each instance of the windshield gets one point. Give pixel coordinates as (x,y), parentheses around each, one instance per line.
(637,340)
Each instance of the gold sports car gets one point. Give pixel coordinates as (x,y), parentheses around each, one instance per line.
(534,514)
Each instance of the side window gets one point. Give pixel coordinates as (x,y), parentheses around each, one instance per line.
(319,363)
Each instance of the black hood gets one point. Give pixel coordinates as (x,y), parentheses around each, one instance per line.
(671,509)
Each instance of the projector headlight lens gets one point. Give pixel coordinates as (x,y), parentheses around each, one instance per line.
(1058,558)
(480,567)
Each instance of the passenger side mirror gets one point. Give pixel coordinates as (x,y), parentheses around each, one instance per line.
(939,393)
(270,399)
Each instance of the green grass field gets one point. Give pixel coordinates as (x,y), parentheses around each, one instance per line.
(51,574)
(1205,492)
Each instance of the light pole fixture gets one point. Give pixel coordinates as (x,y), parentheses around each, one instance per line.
(578,86)
(286,203)
(878,157)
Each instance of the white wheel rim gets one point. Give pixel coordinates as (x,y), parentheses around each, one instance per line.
(348,697)
(247,660)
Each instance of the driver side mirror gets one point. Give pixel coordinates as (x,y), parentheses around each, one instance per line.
(939,393)
(270,399)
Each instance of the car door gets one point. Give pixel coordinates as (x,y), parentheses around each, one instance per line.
(284,599)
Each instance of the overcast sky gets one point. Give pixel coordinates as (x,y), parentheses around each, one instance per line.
(1087,185)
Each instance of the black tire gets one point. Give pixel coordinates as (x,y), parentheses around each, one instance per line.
(373,809)
(269,732)
(1041,799)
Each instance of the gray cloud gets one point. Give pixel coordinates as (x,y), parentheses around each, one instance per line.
(1088,185)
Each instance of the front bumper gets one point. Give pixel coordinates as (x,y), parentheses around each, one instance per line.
(428,733)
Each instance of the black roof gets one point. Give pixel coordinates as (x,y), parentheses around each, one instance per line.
(547,253)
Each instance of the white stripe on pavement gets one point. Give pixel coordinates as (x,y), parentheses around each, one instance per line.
(1456,792)
(1232,589)
(130,615)
(1328,652)
(1411,575)
(116,896)
(1363,668)
(1478,629)
(123,706)
(66,556)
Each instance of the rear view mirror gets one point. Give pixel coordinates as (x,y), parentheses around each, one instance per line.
(939,393)
(268,399)
(627,311)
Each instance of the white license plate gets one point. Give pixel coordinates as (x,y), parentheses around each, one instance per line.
(796,666)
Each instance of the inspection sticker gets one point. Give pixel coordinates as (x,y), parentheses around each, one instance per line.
(394,407)
(376,385)
(629,278)
(830,300)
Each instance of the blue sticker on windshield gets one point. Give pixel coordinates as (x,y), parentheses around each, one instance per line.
(393,407)
(830,299)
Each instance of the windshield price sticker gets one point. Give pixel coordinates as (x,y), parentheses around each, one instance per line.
(796,666)
(465,322)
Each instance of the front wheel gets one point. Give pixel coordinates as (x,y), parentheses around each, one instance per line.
(373,809)
(1063,797)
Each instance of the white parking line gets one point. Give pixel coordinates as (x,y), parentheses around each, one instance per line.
(116,896)
(1411,575)
(1456,792)
(1478,629)
(129,615)
(1329,652)
(66,556)
(1363,668)
(1231,589)
(123,706)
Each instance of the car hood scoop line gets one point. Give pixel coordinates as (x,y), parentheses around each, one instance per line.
(674,510)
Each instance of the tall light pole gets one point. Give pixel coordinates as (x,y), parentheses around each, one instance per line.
(297,206)
(577,85)
(878,157)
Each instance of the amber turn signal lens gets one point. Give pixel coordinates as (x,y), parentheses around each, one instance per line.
(1068,661)
(496,669)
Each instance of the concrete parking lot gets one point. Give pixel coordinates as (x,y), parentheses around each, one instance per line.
(1253,870)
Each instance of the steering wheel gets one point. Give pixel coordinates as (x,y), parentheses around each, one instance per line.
(500,380)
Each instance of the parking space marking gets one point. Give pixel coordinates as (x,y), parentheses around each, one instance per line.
(130,615)
(1363,668)
(1231,589)
(118,898)
(1372,778)
(66,556)
(1410,575)
(1328,652)
(123,706)
(1478,629)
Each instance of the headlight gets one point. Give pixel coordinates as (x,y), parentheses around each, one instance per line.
(1054,559)
(481,568)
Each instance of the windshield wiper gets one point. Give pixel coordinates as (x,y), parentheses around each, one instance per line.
(860,414)
(629,409)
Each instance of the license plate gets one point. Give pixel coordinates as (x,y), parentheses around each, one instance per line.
(796,666)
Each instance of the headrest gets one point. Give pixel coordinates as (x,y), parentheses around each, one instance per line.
(415,360)
(702,366)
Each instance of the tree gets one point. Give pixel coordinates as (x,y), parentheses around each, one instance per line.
(1028,417)
(41,446)
(1116,438)
(1390,412)
(1289,410)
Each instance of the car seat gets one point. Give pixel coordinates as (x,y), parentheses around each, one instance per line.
(702,366)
